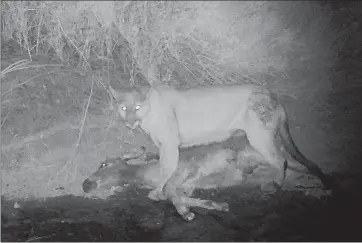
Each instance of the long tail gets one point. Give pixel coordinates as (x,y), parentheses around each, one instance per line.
(292,149)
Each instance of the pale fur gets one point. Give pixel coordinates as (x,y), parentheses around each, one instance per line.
(175,119)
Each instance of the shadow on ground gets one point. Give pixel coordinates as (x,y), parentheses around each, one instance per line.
(131,216)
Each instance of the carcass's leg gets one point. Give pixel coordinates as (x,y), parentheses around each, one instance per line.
(183,205)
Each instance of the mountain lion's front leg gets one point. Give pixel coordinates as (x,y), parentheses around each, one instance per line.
(165,135)
(169,157)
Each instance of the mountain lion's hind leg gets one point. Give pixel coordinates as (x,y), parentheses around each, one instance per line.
(263,141)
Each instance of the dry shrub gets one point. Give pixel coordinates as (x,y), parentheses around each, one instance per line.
(180,42)
(220,42)
(70,30)
(227,42)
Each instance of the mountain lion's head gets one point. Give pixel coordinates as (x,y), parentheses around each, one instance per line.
(131,104)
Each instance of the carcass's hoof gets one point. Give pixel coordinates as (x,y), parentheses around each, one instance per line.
(224,207)
(189,216)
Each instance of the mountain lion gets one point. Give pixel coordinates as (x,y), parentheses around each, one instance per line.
(179,119)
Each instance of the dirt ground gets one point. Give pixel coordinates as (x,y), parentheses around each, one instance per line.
(132,217)
(49,147)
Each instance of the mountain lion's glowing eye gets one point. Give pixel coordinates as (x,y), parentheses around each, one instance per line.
(124,108)
(137,107)
(103,165)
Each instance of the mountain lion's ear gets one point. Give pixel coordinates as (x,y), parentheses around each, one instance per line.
(153,74)
(114,93)
(144,90)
